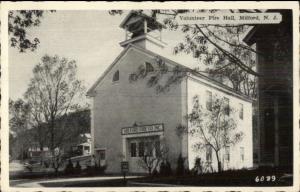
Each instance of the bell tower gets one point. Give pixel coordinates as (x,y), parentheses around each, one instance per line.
(143,31)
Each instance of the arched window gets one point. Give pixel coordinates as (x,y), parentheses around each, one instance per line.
(149,67)
(116,76)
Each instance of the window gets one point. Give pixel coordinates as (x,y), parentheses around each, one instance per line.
(141,149)
(148,148)
(242,151)
(102,154)
(241,111)
(116,76)
(157,149)
(133,149)
(149,67)
(208,153)
(226,106)
(208,100)
(227,153)
(86,148)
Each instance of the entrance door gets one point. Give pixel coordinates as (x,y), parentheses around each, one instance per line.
(140,151)
(100,157)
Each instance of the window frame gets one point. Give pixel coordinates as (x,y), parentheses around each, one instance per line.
(208,100)
(133,153)
(147,66)
(227,153)
(242,153)
(101,153)
(227,106)
(149,148)
(208,154)
(241,111)
(141,149)
(157,149)
(116,76)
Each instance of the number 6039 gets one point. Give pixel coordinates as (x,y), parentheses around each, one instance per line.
(269,178)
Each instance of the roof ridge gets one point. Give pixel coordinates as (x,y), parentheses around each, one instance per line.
(168,60)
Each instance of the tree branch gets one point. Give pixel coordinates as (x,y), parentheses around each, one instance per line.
(229,55)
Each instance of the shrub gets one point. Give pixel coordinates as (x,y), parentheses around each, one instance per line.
(168,168)
(155,172)
(69,168)
(78,168)
(101,169)
(180,165)
(46,164)
(162,169)
(165,168)
(95,170)
(198,168)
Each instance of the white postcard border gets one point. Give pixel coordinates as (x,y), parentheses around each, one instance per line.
(6,6)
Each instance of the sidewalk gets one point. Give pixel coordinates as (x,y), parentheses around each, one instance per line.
(61,182)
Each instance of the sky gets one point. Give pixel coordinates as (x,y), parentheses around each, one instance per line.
(91,38)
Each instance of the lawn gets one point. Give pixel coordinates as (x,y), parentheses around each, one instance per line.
(259,177)
(262,177)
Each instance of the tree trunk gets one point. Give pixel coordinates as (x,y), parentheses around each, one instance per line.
(56,171)
(149,170)
(42,153)
(52,134)
(219,162)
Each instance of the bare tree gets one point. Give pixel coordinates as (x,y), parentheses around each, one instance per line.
(153,154)
(214,127)
(54,92)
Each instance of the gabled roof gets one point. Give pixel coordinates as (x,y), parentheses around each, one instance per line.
(191,74)
(130,46)
(91,90)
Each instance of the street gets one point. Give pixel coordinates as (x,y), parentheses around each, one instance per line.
(63,182)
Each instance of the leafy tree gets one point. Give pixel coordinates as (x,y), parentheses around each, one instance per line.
(54,92)
(19,122)
(219,47)
(180,165)
(19,21)
(215,128)
(70,130)
(226,57)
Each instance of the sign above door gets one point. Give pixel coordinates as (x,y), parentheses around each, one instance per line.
(142,129)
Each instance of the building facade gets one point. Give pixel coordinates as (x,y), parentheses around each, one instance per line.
(275,90)
(128,117)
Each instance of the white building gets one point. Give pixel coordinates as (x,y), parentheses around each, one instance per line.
(127,116)
(83,148)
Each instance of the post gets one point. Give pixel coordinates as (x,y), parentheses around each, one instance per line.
(92,126)
(276,144)
(145,26)
(126,36)
(124,177)
(124,146)
(160,34)
(124,169)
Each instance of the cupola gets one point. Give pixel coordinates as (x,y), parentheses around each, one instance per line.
(142,30)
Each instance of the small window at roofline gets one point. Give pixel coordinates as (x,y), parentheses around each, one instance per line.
(227,108)
(227,153)
(116,76)
(149,67)
(241,111)
(209,100)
